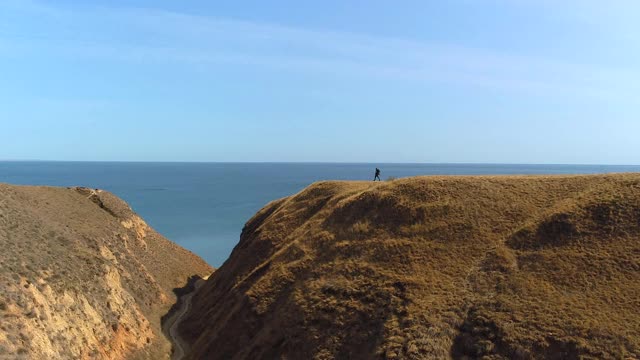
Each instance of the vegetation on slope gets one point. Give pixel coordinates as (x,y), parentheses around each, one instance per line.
(432,267)
(82,276)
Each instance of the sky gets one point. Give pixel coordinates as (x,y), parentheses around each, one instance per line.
(430,81)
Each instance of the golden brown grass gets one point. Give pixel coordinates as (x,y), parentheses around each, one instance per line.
(81,276)
(490,267)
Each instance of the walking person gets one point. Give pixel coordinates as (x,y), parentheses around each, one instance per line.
(377,176)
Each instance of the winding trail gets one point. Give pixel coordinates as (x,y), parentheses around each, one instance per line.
(180,348)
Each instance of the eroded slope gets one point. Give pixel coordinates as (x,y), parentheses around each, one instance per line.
(82,276)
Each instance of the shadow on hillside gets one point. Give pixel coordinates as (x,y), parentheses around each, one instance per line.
(189,287)
(480,338)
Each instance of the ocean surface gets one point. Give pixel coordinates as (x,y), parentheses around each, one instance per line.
(203,206)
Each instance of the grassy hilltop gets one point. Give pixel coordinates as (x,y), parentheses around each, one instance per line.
(83,277)
(500,267)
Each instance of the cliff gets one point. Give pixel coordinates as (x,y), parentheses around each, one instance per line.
(83,277)
(431,267)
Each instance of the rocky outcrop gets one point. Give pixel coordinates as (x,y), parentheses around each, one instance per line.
(431,267)
(83,276)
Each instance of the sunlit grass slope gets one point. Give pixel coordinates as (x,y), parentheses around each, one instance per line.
(83,277)
(515,267)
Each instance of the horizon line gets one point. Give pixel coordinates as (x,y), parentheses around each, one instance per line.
(310,162)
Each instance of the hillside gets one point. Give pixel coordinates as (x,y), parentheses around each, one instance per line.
(497,267)
(83,277)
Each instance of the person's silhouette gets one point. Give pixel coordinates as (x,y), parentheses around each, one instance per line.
(377,176)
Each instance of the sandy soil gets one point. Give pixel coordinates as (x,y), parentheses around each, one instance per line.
(83,276)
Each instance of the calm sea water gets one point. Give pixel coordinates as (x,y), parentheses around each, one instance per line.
(203,206)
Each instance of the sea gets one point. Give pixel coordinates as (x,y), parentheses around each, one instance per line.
(203,206)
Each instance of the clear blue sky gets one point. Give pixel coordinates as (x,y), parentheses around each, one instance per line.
(500,81)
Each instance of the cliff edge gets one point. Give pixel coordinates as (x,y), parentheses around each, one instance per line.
(493,267)
(83,277)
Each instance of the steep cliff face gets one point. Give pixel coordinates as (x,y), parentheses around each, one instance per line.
(82,276)
(432,267)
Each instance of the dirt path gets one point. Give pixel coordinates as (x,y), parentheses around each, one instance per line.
(179,346)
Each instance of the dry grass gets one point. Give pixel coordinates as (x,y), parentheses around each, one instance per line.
(81,276)
(432,267)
